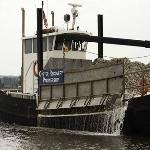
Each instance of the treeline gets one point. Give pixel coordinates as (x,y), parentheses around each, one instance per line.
(9,82)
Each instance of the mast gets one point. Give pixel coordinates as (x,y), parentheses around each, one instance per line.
(74,12)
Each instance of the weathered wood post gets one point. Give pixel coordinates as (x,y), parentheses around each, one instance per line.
(23,35)
(100,34)
(39,44)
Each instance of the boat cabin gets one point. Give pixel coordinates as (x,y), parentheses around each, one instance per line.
(54,46)
(55,43)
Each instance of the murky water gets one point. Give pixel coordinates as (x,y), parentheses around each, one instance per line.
(14,137)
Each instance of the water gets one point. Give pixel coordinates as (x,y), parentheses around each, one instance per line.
(113,121)
(14,137)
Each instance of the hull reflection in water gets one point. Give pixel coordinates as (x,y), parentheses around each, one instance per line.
(27,138)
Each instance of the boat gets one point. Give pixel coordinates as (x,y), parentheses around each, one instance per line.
(62,89)
(18,108)
(67,82)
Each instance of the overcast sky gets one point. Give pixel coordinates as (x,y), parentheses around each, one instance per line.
(122,19)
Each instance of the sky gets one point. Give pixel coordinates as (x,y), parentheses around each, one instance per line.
(122,19)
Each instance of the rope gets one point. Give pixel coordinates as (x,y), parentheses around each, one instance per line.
(138,57)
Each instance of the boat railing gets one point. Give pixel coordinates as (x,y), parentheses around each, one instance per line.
(22,95)
(11,90)
(109,100)
(75,98)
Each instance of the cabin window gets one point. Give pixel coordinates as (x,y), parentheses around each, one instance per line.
(34,45)
(58,43)
(75,46)
(79,46)
(83,46)
(28,46)
(67,45)
(51,42)
(44,44)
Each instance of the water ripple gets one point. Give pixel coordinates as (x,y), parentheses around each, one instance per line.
(13,137)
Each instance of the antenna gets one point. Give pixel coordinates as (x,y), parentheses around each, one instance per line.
(74,12)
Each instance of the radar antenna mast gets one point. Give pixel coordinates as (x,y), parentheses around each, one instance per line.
(74,12)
